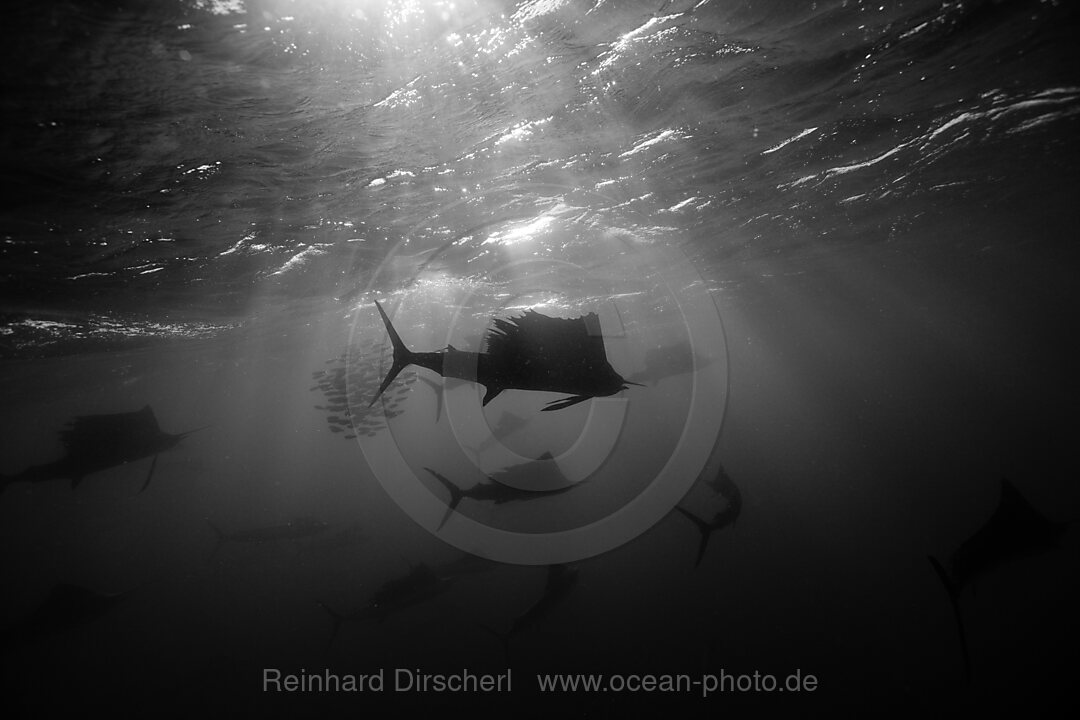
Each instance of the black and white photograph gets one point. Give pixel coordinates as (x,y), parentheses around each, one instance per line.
(539,358)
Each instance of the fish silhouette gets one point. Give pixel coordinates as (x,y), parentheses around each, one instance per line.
(296,528)
(438,390)
(507,425)
(668,361)
(1015,530)
(66,606)
(530,352)
(722,484)
(493,491)
(419,584)
(560,580)
(466,564)
(98,442)
(345,536)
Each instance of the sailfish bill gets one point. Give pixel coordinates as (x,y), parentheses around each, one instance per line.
(528,352)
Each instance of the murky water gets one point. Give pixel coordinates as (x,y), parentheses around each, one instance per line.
(202,200)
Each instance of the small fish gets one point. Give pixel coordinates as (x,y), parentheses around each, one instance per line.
(530,352)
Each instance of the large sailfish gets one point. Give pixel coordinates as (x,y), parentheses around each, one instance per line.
(528,352)
(97,442)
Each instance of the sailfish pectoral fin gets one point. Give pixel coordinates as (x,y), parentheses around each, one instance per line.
(437,388)
(336,618)
(490,394)
(455,495)
(565,402)
(150,474)
(703,527)
(504,640)
(954,594)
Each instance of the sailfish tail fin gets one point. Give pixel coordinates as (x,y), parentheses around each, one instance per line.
(703,527)
(954,594)
(455,495)
(403,357)
(504,639)
(149,474)
(337,619)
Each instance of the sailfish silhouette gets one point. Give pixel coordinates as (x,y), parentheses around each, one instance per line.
(66,606)
(529,352)
(421,583)
(98,442)
(722,484)
(560,580)
(1015,530)
(493,491)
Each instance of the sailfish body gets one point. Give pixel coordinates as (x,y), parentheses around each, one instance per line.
(529,352)
(1015,530)
(97,442)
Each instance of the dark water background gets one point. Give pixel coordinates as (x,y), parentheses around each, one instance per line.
(880,198)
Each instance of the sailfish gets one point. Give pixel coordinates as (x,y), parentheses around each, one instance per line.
(494,490)
(67,606)
(528,352)
(560,580)
(723,485)
(420,584)
(98,442)
(1014,530)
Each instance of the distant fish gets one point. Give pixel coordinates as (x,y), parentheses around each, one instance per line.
(669,360)
(1015,530)
(531,352)
(437,388)
(420,584)
(722,483)
(725,486)
(466,564)
(67,606)
(341,537)
(296,528)
(560,580)
(508,424)
(98,442)
(493,491)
